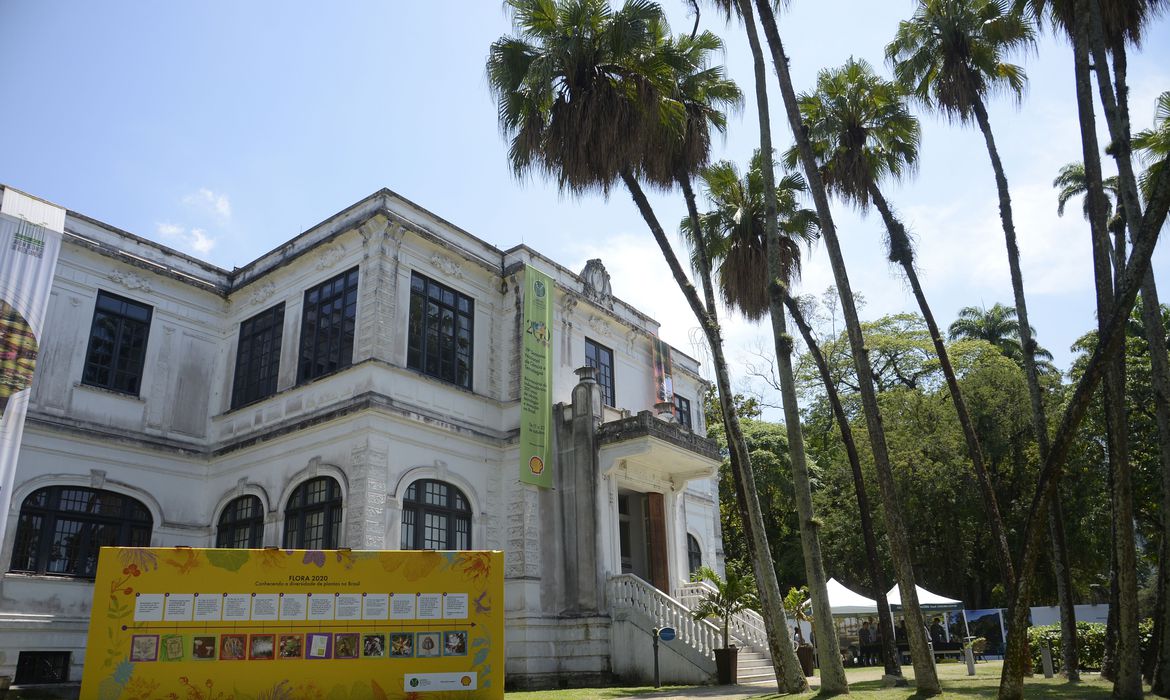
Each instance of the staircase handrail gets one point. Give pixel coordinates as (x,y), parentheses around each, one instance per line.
(631,592)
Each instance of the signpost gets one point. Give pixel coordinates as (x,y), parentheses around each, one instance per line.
(666,634)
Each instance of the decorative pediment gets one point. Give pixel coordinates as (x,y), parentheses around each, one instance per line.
(596,279)
(262,293)
(447,266)
(329,256)
(131,280)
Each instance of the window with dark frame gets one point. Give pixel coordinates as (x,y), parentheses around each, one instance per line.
(435,515)
(327,326)
(258,356)
(241,525)
(694,554)
(312,519)
(117,344)
(34,667)
(441,331)
(682,410)
(601,357)
(62,528)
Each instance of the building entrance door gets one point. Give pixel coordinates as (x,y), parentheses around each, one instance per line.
(642,537)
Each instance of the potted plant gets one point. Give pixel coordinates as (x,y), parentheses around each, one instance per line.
(734,594)
(798,605)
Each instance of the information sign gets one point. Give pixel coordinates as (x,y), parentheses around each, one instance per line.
(234,623)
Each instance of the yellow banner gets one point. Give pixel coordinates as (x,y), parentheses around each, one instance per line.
(274,624)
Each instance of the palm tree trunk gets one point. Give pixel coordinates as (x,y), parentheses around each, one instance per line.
(901,253)
(1128,683)
(1068,628)
(833,680)
(1108,345)
(1115,100)
(877,581)
(784,659)
(1160,377)
(925,674)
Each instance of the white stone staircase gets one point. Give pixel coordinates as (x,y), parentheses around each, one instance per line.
(747,631)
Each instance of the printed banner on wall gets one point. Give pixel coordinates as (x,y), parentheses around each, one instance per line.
(30,238)
(663,379)
(274,623)
(536,380)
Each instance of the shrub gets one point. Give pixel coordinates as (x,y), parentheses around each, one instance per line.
(1090,643)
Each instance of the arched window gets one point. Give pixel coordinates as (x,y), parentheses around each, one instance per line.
(62,528)
(241,525)
(312,519)
(435,515)
(694,554)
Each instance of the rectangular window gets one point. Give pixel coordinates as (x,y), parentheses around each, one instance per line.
(42,667)
(440,331)
(258,356)
(682,410)
(601,357)
(117,344)
(327,326)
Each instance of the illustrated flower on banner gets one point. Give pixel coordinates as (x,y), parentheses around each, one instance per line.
(138,557)
(314,556)
(345,557)
(184,560)
(141,689)
(273,558)
(476,565)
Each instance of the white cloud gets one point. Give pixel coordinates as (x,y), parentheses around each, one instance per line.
(214,202)
(194,241)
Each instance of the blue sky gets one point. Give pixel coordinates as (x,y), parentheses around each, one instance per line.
(225,128)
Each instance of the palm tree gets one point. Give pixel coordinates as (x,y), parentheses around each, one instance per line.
(833,678)
(584,94)
(862,131)
(951,55)
(1154,147)
(1071,183)
(732,595)
(998,326)
(926,676)
(736,237)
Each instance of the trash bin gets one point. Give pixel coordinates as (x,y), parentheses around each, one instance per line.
(804,653)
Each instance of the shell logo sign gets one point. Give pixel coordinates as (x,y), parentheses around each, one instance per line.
(219,624)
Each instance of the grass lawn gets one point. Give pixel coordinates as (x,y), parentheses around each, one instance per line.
(864,683)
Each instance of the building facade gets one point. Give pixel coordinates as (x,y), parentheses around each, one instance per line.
(356,387)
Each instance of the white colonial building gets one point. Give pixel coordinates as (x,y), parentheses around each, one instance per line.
(358,387)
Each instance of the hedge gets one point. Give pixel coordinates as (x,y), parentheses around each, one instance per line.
(1090,643)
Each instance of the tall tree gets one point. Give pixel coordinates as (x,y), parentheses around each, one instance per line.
(951,54)
(585,94)
(1154,146)
(862,132)
(998,326)
(925,674)
(833,680)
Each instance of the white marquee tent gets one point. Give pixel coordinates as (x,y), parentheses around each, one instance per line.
(846,603)
(926,600)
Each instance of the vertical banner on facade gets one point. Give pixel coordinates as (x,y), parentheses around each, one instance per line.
(30,237)
(536,380)
(663,381)
(285,624)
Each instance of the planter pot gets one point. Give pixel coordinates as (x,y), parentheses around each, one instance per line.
(804,654)
(726,665)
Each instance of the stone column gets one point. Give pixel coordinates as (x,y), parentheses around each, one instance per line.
(577,497)
(366,513)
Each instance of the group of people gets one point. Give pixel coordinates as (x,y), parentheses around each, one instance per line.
(869,639)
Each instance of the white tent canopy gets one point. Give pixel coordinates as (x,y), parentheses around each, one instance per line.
(847,603)
(926,600)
